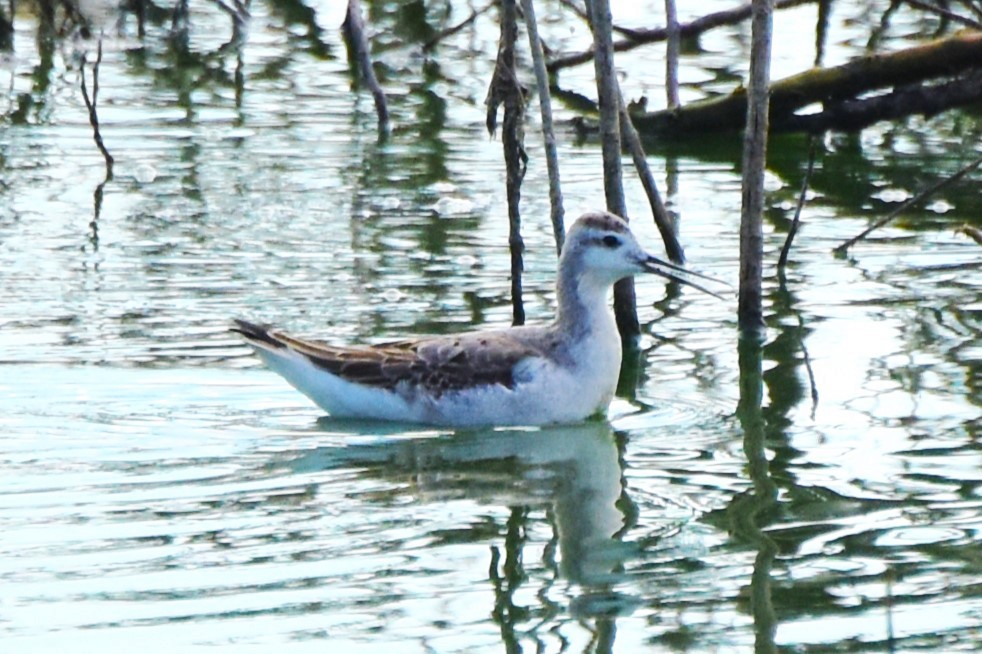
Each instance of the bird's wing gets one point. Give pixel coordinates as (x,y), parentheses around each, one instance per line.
(437,364)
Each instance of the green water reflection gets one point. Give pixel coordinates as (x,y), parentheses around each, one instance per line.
(821,491)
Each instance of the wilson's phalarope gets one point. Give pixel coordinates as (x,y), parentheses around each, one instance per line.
(530,375)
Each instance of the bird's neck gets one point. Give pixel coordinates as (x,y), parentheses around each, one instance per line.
(583,305)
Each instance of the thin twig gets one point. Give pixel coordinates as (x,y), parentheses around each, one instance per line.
(944,13)
(874,38)
(354,31)
(796,221)
(548,135)
(937,186)
(973,7)
(91,104)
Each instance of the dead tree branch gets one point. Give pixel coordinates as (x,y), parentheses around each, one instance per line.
(921,99)
(946,57)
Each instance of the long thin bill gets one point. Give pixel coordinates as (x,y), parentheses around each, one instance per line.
(679,274)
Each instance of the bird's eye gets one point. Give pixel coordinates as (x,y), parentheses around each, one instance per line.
(611,241)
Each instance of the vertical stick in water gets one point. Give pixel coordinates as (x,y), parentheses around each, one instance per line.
(750,313)
(506,90)
(609,101)
(672,55)
(548,135)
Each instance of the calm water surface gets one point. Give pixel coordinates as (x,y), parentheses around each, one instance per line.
(160,489)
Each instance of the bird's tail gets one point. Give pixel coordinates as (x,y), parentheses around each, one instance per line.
(259,335)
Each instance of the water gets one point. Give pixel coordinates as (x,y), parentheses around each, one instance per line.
(159,487)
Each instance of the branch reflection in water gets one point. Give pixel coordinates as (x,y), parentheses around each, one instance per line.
(573,473)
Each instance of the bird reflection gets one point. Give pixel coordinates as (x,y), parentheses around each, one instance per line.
(574,472)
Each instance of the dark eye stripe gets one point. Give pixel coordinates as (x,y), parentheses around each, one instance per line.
(611,241)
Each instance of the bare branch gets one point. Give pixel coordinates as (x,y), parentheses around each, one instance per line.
(945,13)
(917,199)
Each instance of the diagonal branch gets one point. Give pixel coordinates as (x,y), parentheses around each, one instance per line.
(920,197)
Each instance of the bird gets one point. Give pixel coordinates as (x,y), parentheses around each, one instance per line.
(564,372)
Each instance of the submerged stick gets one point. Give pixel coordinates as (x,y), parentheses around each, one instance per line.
(750,314)
(796,221)
(548,134)
(353,28)
(506,90)
(91,103)
(933,188)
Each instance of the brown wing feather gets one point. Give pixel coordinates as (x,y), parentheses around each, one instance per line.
(438,365)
